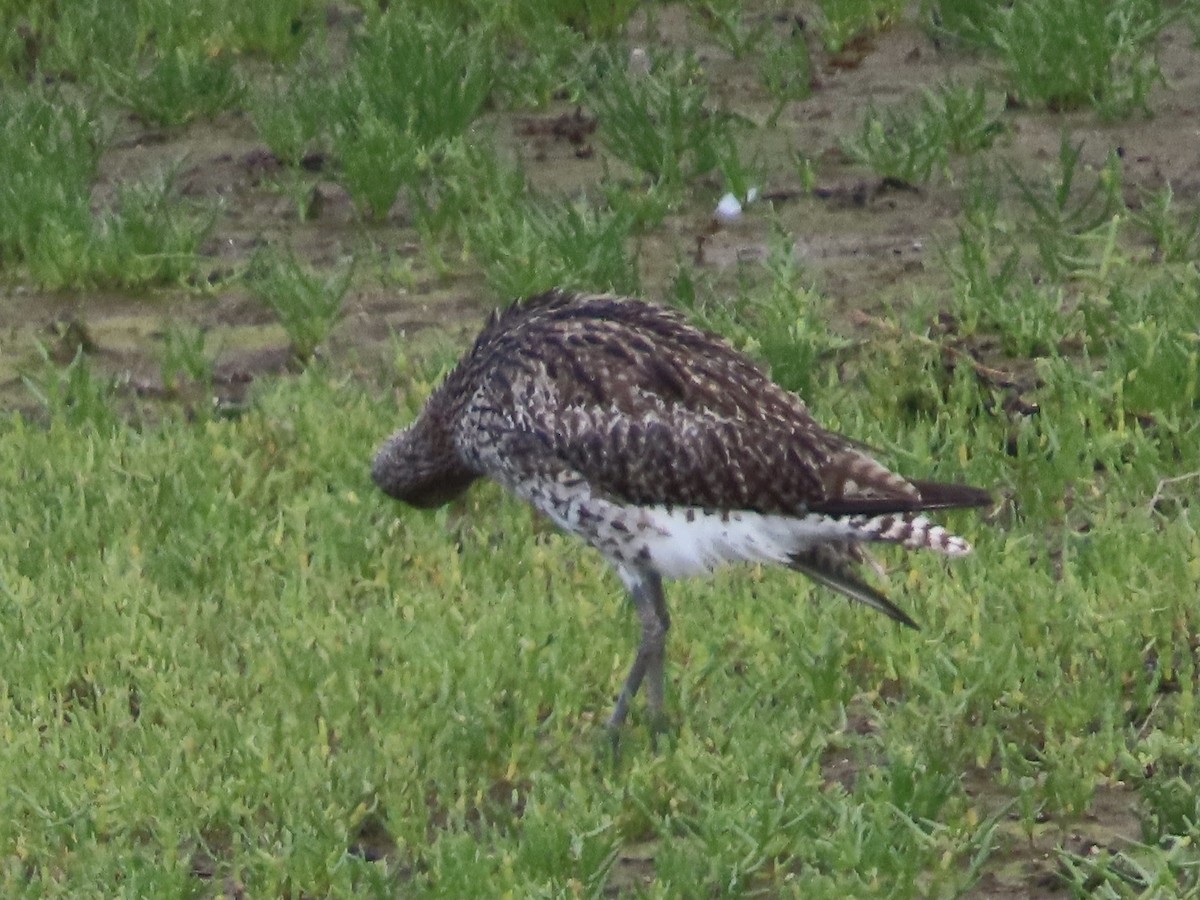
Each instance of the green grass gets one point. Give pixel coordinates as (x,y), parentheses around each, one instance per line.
(660,124)
(1054,265)
(82,40)
(49,228)
(1066,55)
(786,71)
(416,82)
(290,114)
(186,360)
(1175,232)
(726,21)
(176,87)
(227,664)
(234,646)
(306,302)
(908,146)
(532,246)
(843,20)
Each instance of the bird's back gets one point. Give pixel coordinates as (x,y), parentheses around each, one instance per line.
(652,410)
(639,358)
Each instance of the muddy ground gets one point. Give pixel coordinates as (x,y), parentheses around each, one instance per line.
(860,242)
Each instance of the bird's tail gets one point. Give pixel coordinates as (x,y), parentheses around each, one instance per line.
(833,566)
(912,531)
(940,495)
(833,563)
(888,516)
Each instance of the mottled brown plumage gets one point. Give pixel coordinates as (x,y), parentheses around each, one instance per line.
(662,446)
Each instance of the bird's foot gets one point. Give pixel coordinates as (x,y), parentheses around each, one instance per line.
(658,727)
(613,734)
(661,733)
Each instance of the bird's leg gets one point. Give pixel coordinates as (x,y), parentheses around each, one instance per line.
(647,594)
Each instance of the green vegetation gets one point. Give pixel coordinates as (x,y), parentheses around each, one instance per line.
(81,40)
(845,20)
(1176,234)
(229,667)
(726,22)
(415,83)
(1069,54)
(306,302)
(186,360)
(533,246)
(299,670)
(786,72)
(290,115)
(660,123)
(179,86)
(907,146)
(1066,54)
(48,227)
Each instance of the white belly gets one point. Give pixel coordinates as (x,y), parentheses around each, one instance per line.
(678,542)
(684,542)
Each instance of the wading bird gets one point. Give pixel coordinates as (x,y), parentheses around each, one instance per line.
(665,449)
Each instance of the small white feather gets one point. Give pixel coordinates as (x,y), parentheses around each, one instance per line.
(729,209)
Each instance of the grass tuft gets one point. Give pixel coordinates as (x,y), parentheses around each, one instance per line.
(844,20)
(1070,223)
(416,82)
(537,244)
(907,146)
(291,114)
(306,302)
(176,86)
(786,71)
(48,228)
(659,122)
(1066,55)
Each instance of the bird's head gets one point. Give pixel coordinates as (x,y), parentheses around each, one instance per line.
(421,467)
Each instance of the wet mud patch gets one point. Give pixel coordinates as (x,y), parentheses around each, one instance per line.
(1028,859)
(864,241)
